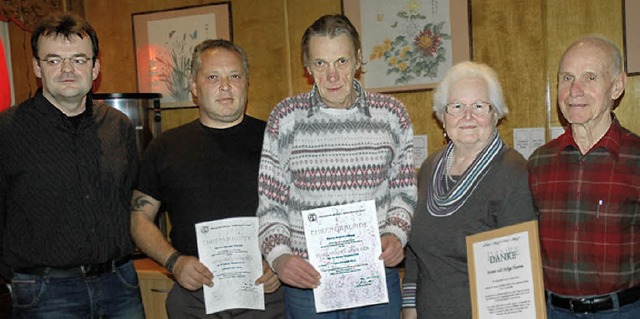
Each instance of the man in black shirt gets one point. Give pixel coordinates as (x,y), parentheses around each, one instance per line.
(67,167)
(201,171)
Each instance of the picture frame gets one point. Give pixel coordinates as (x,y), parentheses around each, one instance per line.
(164,42)
(410,45)
(505,273)
(631,8)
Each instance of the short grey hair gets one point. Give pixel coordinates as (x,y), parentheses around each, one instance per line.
(470,70)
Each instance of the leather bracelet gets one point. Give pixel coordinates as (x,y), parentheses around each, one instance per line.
(171,261)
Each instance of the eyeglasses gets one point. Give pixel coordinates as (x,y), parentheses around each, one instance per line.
(476,108)
(76,61)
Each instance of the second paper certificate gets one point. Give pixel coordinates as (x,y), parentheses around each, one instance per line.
(344,246)
(229,248)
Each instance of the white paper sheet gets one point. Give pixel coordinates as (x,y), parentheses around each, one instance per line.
(526,140)
(420,149)
(229,248)
(344,246)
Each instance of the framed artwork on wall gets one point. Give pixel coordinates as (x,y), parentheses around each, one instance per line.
(630,9)
(164,42)
(410,45)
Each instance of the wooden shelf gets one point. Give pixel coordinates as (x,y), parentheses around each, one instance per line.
(155,284)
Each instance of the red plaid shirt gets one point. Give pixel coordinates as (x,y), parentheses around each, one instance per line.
(589,208)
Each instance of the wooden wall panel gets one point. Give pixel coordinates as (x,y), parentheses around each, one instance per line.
(503,38)
(113,24)
(117,56)
(26,13)
(567,21)
(521,39)
(629,108)
(24,81)
(508,36)
(258,27)
(419,105)
(300,15)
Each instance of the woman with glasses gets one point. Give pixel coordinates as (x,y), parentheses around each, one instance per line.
(474,184)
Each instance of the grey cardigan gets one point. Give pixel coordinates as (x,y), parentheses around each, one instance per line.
(436,256)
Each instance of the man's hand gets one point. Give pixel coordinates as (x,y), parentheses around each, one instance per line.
(296,272)
(392,252)
(268,278)
(191,274)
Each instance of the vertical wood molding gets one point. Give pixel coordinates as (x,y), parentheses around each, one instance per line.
(288,48)
(75,6)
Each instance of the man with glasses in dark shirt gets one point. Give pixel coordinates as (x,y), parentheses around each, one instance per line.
(67,167)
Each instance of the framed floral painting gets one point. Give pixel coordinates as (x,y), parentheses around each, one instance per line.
(409,45)
(164,42)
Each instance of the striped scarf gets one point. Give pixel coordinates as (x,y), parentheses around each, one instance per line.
(442,202)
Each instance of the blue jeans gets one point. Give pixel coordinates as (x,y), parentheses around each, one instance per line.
(630,311)
(299,304)
(114,294)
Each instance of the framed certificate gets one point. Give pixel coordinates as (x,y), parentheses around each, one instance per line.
(505,273)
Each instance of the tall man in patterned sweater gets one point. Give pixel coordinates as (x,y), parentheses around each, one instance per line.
(333,145)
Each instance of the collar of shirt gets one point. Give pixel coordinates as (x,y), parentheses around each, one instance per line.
(53,114)
(360,102)
(609,142)
(47,108)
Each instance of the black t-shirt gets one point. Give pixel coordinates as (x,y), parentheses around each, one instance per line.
(203,174)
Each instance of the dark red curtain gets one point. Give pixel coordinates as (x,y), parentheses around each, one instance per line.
(5,86)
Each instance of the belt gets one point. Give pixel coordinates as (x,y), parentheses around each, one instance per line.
(90,270)
(597,303)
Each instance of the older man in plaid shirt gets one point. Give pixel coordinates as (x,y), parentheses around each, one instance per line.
(586,186)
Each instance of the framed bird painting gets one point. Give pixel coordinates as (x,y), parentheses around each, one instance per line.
(164,42)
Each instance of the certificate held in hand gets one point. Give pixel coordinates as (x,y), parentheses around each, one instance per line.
(344,246)
(229,248)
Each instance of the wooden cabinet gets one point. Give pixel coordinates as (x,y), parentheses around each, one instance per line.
(155,283)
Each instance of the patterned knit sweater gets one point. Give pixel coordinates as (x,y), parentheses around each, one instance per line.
(314,156)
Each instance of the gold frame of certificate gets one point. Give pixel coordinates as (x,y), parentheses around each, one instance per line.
(505,273)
